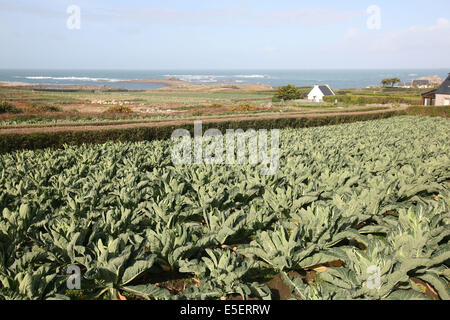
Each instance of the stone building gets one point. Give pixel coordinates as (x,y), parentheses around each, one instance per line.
(438,97)
(443,93)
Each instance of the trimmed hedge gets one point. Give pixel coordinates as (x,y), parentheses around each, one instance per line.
(367,99)
(13,142)
(431,111)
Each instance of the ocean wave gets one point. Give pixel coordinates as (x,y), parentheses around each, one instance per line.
(200,78)
(72,79)
(208,81)
(252,76)
(38,78)
(192,77)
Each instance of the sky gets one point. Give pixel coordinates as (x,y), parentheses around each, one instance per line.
(227,34)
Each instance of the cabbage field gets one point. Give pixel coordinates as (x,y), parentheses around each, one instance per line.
(356,211)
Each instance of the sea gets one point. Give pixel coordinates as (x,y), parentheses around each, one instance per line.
(336,78)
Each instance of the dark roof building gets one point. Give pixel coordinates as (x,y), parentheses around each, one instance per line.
(326,91)
(420,83)
(439,97)
(445,87)
(320,91)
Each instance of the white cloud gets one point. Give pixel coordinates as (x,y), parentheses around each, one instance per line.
(351,33)
(420,46)
(240,16)
(307,17)
(269,49)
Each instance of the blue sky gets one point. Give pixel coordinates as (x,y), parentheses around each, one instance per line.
(252,34)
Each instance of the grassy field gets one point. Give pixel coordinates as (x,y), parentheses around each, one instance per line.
(147,98)
(179,103)
(349,202)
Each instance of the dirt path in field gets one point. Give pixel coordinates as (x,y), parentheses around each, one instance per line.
(174,122)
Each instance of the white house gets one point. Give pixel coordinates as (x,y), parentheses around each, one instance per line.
(318,92)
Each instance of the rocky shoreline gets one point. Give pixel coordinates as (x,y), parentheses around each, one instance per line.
(170,84)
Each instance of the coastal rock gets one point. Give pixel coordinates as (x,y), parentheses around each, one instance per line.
(434,79)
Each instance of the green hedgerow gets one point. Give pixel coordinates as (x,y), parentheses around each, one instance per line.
(6,107)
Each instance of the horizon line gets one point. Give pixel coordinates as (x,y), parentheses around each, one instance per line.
(222,69)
